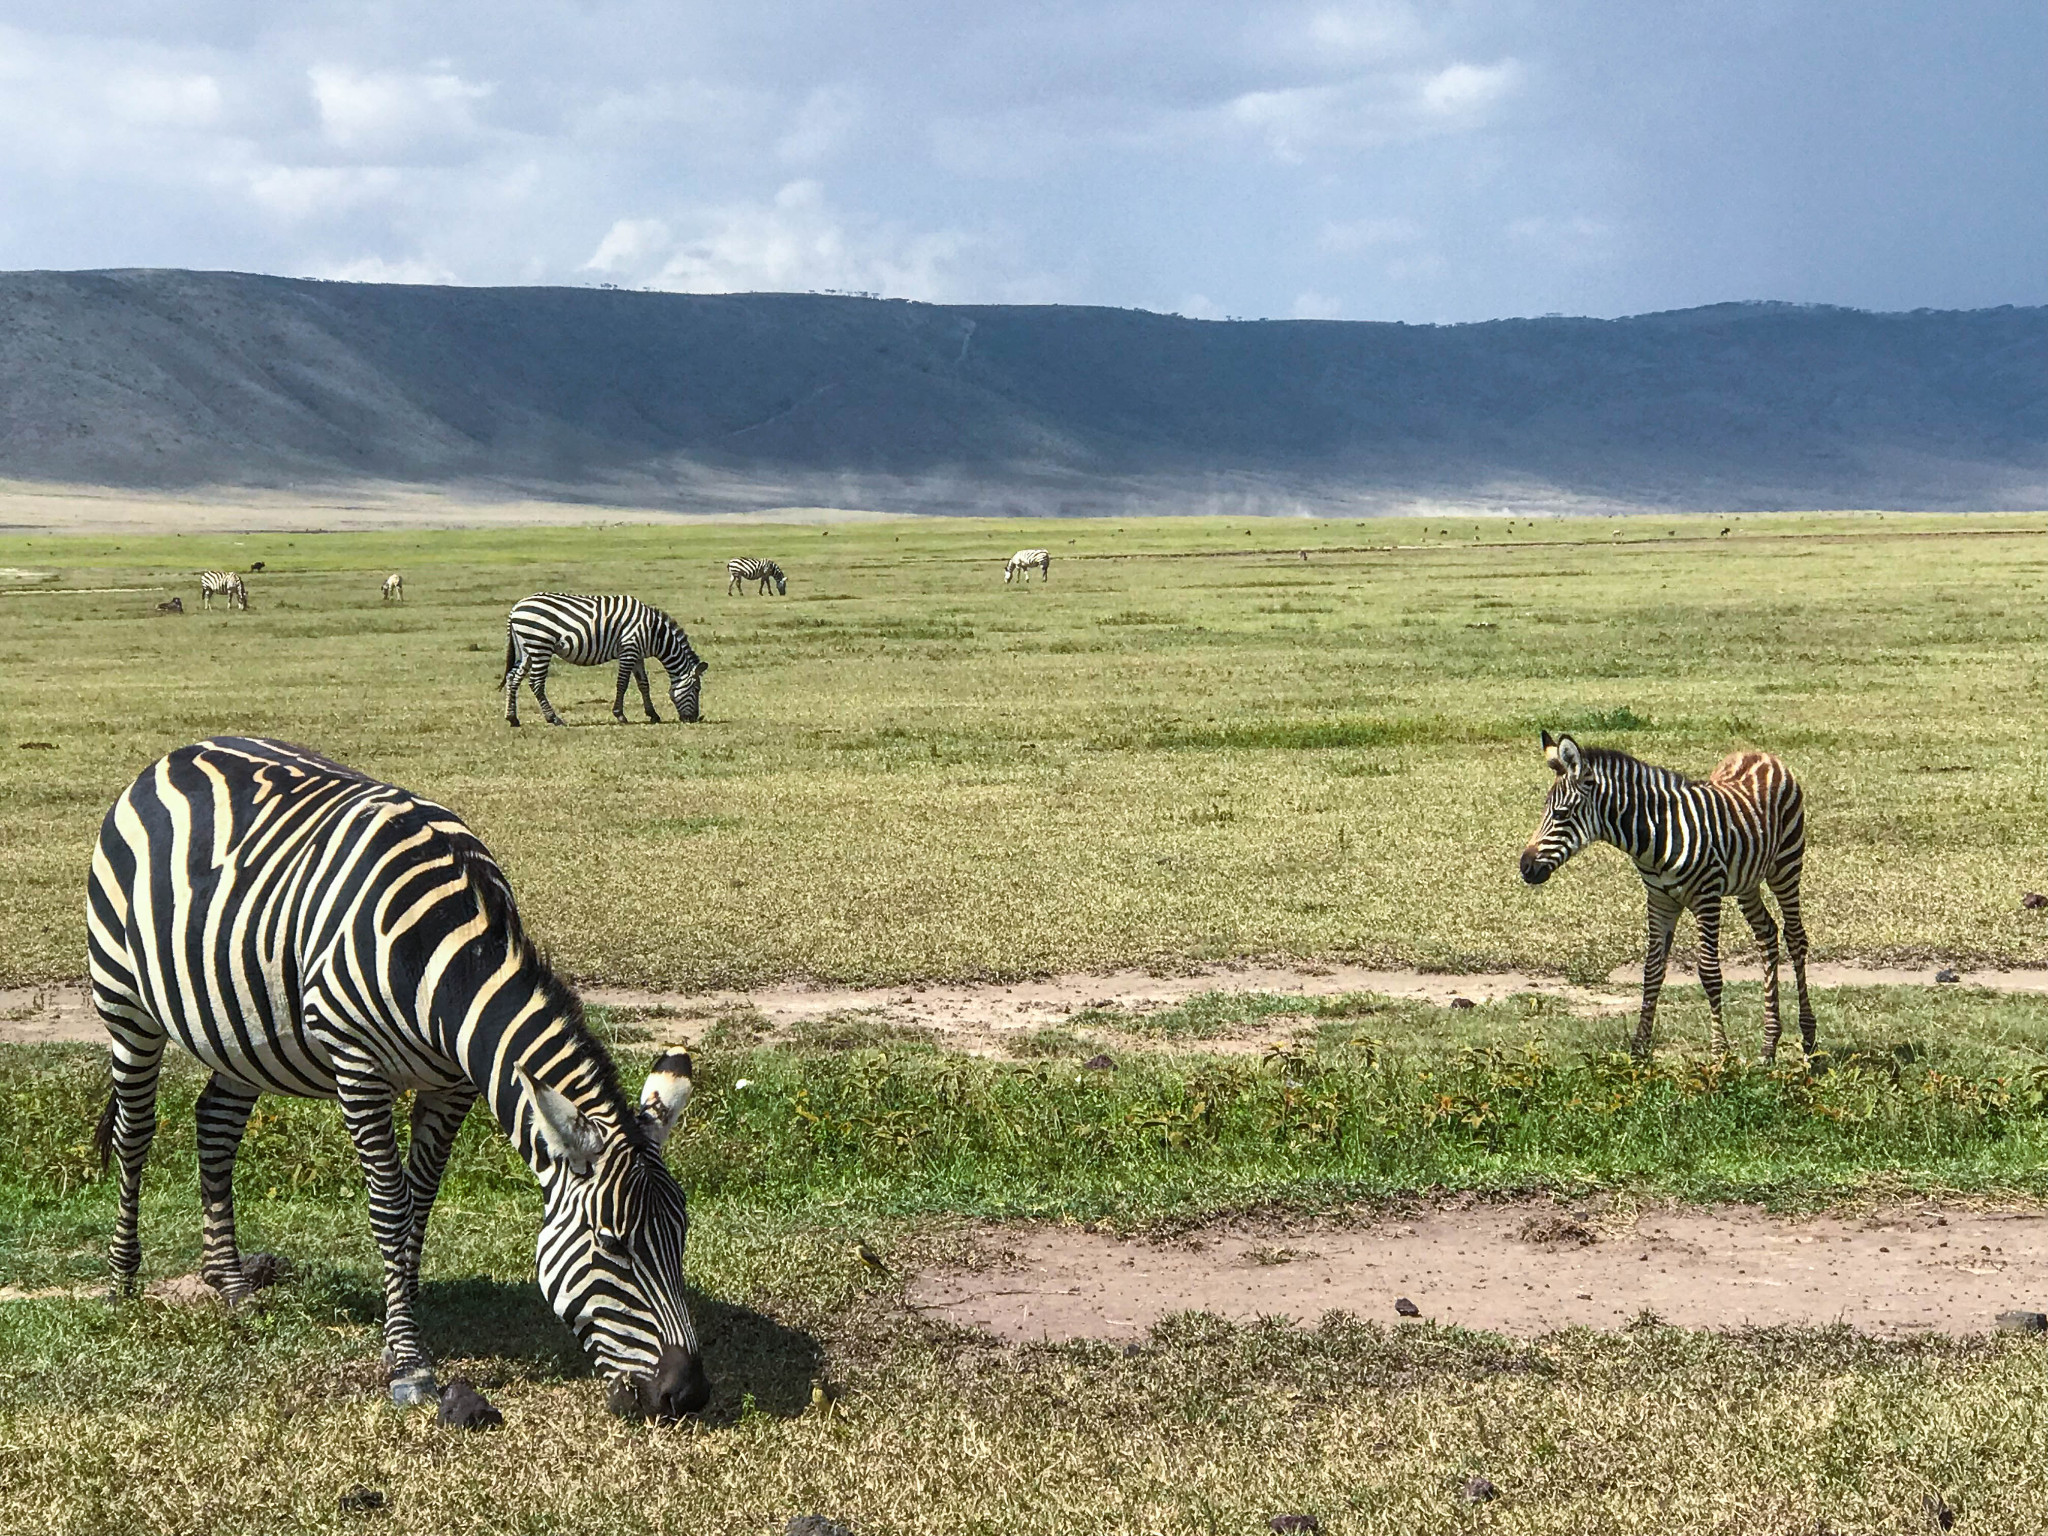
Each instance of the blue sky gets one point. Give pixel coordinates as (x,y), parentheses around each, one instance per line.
(1378,160)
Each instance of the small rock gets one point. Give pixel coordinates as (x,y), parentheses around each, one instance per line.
(2034,901)
(1937,1510)
(1463,1002)
(1479,1489)
(1406,1307)
(1097,1064)
(1281,1525)
(361,1499)
(2023,1322)
(1946,975)
(463,1407)
(814,1525)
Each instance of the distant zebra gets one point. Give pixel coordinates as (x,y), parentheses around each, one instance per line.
(1695,843)
(225,584)
(303,929)
(173,605)
(763,571)
(1021,563)
(394,586)
(588,631)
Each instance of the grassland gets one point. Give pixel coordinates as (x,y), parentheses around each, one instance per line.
(1192,744)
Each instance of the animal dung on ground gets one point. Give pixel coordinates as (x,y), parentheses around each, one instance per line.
(2023,1322)
(1406,1307)
(814,1525)
(1479,1489)
(1097,1064)
(360,1499)
(1946,976)
(39,746)
(2034,901)
(260,1271)
(463,1407)
(1281,1525)
(1463,1002)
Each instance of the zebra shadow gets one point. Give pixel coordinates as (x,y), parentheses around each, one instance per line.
(505,1328)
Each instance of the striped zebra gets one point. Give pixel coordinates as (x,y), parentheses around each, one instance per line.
(394,586)
(303,929)
(1021,563)
(592,630)
(1695,843)
(225,584)
(763,571)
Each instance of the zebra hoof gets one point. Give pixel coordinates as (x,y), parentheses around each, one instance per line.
(415,1389)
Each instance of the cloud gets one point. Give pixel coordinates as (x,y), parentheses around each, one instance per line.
(1310,305)
(375,269)
(1346,237)
(394,116)
(1374,109)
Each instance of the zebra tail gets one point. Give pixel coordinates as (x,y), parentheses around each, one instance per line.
(103,1135)
(508,656)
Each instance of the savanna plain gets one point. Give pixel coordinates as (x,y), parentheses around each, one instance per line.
(1201,741)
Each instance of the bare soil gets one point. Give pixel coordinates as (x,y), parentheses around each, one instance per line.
(1522,1269)
(982,1019)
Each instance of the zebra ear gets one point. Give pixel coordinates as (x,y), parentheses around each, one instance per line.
(1550,753)
(1568,758)
(567,1132)
(666,1095)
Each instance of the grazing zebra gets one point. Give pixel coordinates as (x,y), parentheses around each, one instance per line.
(394,586)
(225,584)
(303,929)
(591,630)
(763,571)
(1695,843)
(1022,561)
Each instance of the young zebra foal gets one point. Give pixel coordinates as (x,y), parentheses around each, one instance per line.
(1695,844)
(763,571)
(304,929)
(1021,564)
(591,630)
(394,586)
(225,584)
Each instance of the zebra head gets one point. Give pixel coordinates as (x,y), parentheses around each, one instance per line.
(781,583)
(686,685)
(611,1244)
(1571,811)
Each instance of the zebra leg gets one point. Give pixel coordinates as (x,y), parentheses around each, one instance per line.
(1766,931)
(515,673)
(126,1128)
(1707,911)
(619,695)
(436,1117)
(1786,888)
(1663,918)
(223,1115)
(537,678)
(646,697)
(366,1102)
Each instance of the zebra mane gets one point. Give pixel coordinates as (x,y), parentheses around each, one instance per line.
(1617,764)
(494,894)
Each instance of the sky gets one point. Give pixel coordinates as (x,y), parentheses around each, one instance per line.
(1382,160)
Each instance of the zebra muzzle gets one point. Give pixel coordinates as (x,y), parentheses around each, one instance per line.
(1534,870)
(676,1386)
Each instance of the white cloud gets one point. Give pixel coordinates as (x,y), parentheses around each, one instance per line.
(298,192)
(394,116)
(824,123)
(1347,237)
(1372,110)
(1574,241)
(375,269)
(1310,305)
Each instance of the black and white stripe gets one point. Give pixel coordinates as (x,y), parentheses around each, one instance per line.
(588,631)
(304,929)
(1696,843)
(394,587)
(762,571)
(1021,563)
(225,584)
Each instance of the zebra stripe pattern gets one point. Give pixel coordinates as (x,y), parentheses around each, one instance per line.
(1696,844)
(394,586)
(588,631)
(225,584)
(762,571)
(303,929)
(1021,563)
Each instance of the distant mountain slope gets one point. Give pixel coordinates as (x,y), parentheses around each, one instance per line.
(171,379)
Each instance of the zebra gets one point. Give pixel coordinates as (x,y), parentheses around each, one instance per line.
(1695,843)
(394,586)
(763,571)
(590,630)
(225,584)
(304,929)
(1022,561)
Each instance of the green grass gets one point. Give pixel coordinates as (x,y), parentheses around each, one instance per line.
(911,771)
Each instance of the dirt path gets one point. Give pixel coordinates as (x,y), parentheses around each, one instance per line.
(980,1018)
(1944,1269)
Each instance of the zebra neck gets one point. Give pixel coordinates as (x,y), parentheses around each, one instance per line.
(1637,804)
(536,1030)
